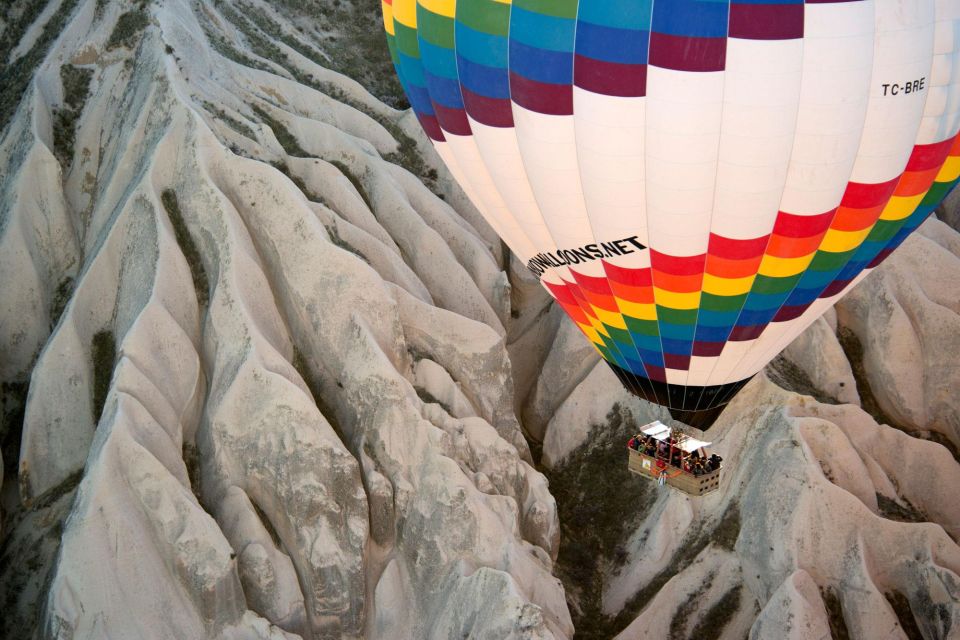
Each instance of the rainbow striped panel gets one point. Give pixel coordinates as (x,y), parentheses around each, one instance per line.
(482,52)
(611,47)
(409,66)
(541,55)
(693,181)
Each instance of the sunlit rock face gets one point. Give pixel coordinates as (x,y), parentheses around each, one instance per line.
(253,343)
(906,318)
(266,373)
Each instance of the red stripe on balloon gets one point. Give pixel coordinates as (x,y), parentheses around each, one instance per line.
(656,373)
(676,360)
(631,277)
(687,53)
(742,334)
(431,127)
(677,265)
(735,249)
(560,292)
(787,313)
(541,97)
(929,156)
(453,121)
(880,258)
(592,283)
(708,349)
(860,196)
(610,78)
(493,112)
(792,225)
(766,21)
(834,288)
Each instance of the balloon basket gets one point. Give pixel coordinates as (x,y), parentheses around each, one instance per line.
(660,467)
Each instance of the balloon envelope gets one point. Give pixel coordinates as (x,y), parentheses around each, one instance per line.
(694,181)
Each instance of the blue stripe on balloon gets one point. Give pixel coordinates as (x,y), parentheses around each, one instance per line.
(671,331)
(696,18)
(612,45)
(491,82)
(803,297)
(643,341)
(481,48)
(542,65)
(684,347)
(717,318)
(764,301)
(444,91)
(713,334)
(541,31)
(620,14)
(412,70)
(438,61)
(651,357)
(420,100)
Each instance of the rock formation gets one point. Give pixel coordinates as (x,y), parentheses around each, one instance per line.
(265,361)
(266,373)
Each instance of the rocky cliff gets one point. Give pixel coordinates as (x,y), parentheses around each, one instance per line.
(267,374)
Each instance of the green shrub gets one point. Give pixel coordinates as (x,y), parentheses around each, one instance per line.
(128,29)
(717,617)
(286,139)
(233,123)
(834,607)
(16,76)
(76,90)
(60,299)
(343,244)
(104,358)
(200,282)
(355,181)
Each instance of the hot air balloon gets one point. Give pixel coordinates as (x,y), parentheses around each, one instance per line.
(693,181)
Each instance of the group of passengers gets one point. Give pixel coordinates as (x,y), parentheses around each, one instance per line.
(696,462)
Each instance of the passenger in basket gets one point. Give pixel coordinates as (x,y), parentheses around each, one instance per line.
(715,461)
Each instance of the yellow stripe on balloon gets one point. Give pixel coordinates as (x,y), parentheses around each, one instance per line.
(950,170)
(388,18)
(590,332)
(599,328)
(610,318)
(776,267)
(595,324)
(638,310)
(676,300)
(446,8)
(837,241)
(405,12)
(726,286)
(900,207)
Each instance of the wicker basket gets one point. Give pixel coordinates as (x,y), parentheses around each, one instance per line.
(647,466)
